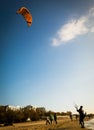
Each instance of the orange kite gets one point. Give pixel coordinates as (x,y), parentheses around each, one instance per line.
(26,14)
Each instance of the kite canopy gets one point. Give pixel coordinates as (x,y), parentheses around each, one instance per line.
(26,14)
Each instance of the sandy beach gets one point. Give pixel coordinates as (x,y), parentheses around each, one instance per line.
(64,124)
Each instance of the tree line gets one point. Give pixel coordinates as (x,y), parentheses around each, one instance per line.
(9,116)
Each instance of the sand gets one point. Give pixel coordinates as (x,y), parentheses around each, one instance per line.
(64,124)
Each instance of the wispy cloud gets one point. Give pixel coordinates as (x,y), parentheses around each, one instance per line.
(92,29)
(73,28)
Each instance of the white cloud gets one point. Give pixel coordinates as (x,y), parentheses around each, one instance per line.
(91,12)
(92,29)
(74,28)
(55,41)
(70,30)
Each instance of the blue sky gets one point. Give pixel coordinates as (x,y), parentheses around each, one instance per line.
(51,63)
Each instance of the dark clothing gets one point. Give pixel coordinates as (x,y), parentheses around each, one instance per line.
(71,117)
(81,117)
(55,118)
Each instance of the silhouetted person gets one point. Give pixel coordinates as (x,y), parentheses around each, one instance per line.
(81,116)
(55,118)
(76,116)
(71,117)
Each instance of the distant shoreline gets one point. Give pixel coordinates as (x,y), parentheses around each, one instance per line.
(89,124)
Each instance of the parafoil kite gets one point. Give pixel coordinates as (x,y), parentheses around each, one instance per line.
(26,14)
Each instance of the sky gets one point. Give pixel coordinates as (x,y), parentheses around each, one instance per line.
(51,63)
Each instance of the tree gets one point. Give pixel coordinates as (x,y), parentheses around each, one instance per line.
(2,114)
(9,117)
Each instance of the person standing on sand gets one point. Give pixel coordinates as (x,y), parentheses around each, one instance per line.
(82,116)
(55,118)
(51,118)
(71,117)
